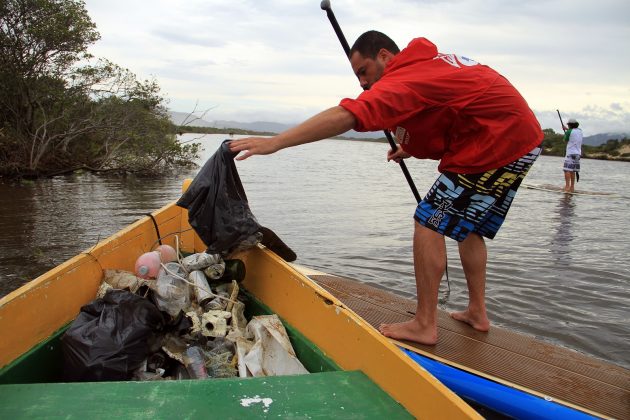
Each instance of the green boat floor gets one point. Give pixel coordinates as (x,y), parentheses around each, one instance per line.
(349,394)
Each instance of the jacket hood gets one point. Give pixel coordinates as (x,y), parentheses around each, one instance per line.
(419,49)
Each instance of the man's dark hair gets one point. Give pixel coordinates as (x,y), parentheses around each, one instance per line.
(371,42)
(573,125)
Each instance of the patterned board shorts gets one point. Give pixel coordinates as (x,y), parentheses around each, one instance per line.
(572,163)
(458,204)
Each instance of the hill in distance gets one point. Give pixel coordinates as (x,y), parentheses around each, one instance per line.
(599,139)
(178,118)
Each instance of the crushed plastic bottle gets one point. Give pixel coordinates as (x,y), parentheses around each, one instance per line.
(172,294)
(215,271)
(195,363)
(200,261)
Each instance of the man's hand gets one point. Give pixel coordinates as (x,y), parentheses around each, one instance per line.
(398,155)
(254,146)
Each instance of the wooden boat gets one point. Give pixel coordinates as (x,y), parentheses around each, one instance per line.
(355,372)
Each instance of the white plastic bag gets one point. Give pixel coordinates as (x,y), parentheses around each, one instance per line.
(272,353)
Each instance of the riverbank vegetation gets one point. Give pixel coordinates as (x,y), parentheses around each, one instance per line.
(62,110)
(613,149)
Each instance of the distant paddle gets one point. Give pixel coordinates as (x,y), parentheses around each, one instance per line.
(560,116)
(325,5)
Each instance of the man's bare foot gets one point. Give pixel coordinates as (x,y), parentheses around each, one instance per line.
(480,323)
(410,330)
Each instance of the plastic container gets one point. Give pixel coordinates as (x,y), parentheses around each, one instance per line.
(201,288)
(172,294)
(195,363)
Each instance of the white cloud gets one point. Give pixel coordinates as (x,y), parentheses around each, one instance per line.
(278,58)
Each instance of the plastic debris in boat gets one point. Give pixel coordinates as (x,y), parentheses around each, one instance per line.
(271,353)
(167,253)
(202,260)
(195,363)
(172,292)
(200,286)
(214,323)
(203,327)
(120,279)
(148,265)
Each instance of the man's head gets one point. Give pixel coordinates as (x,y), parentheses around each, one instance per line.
(369,55)
(573,123)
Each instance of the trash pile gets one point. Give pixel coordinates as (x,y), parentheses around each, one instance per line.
(175,318)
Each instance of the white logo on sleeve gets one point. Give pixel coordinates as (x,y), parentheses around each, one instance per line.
(456,60)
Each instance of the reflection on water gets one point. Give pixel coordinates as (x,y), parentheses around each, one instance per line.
(564,219)
(558,268)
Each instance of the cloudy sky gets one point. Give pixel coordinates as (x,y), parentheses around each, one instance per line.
(279,60)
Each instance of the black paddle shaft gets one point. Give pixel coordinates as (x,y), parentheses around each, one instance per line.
(325,5)
(560,116)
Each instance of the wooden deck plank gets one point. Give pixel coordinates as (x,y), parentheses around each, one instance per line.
(501,355)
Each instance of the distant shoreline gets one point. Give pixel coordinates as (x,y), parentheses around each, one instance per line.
(213,130)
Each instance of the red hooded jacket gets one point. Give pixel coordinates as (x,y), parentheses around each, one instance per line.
(449,108)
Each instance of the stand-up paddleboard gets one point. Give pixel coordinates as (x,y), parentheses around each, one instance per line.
(557,189)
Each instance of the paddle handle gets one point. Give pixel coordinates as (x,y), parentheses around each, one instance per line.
(325,5)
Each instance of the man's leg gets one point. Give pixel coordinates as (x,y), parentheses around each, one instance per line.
(567,181)
(572,186)
(473,254)
(429,260)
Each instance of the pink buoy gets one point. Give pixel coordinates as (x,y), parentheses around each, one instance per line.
(167,253)
(148,265)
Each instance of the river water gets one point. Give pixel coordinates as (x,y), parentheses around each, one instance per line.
(558,270)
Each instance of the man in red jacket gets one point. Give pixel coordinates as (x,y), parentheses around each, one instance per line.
(444,107)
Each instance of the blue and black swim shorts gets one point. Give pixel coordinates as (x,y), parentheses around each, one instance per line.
(458,204)
(572,163)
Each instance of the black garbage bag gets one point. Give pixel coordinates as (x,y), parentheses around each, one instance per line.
(219,212)
(110,338)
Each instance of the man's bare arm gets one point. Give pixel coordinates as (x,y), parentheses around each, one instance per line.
(329,123)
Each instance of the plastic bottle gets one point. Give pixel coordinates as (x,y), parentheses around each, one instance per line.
(148,265)
(195,363)
(201,288)
(172,294)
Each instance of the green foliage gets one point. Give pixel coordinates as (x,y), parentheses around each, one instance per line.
(61,112)
(554,145)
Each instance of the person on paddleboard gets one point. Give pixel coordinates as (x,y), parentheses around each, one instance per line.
(448,108)
(573,137)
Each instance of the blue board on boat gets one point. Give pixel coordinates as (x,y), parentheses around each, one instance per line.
(497,397)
